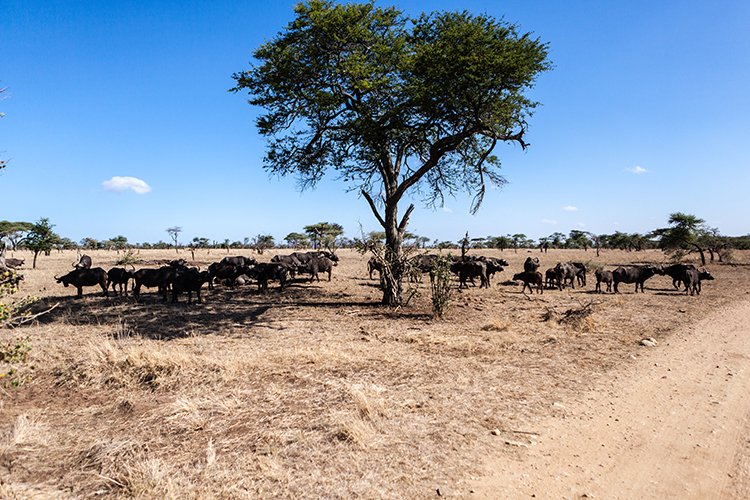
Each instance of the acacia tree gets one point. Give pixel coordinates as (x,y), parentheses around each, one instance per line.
(41,238)
(393,105)
(324,234)
(262,242)
(684,235)
(174,233)
(13,232)
(296,240)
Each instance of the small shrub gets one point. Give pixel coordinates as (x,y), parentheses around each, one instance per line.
(129,258)
(14,354)
(440,284)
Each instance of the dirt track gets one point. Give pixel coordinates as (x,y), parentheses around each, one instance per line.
(671,425)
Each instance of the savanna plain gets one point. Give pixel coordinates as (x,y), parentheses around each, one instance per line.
(316,391)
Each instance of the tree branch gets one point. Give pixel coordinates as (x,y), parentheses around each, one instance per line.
(373,207)
(405,219)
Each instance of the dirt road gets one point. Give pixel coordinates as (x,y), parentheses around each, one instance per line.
(673,424)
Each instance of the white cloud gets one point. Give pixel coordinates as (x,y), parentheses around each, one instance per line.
(549,221)
(447,210)
(570,208)
(637,170)
(120,184)
(581,225)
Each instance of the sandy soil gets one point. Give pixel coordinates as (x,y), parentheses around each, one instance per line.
(672,425)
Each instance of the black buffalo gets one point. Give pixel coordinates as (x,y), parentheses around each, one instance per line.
(118,276)
(494,265)
(637,275)
(80,278)
(267,271)
(225,272)
(530,278)
(150,278)
(692,279)
(374,265)
(605,277)
(550,278)
(580,272)
(317,265)
(239,261)
(566,272)
(189,280)
(470,269)
(83,263)
(531,264)
(677,273)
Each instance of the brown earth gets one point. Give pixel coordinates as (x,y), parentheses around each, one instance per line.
(318,391)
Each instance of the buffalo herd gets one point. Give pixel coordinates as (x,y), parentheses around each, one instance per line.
(178,277)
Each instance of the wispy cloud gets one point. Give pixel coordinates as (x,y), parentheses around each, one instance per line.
(636,170)
(549,221)
(581,225)
(120,184)
(570,208)
(447,210)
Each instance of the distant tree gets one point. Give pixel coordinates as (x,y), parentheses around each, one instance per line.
(683,236)
(13,232)
(393,104)
(421,241)
(716,244)
(67,244)
(41,238)
(174,233)
(500,242)
(119,242)
(324,234)
(480,242)
(296,240)
(199,242)
(520,240)
(445,245)
(556,240)
(89,243)
(262,242)
(578,239)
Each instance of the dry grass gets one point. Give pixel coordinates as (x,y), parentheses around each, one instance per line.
(313,392)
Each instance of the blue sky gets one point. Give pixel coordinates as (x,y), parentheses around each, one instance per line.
(139,89)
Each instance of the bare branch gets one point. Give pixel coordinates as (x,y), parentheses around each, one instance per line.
(373,207)
(405,219)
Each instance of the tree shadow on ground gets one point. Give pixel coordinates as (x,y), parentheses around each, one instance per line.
(222,309)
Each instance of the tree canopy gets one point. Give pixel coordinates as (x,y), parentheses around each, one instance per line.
(41,238)
(393,104)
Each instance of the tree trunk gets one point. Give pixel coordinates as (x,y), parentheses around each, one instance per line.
(392,282)
(36,253)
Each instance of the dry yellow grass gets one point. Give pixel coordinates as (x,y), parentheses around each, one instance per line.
(313,392)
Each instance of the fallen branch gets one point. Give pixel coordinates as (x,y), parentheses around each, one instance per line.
(17,321)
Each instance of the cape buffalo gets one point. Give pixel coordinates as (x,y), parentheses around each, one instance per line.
(83,263)
(692,279)
(677,273)
(531,264)
(119,276)
(85,277)
(603,277)
(637,275)
(530,278)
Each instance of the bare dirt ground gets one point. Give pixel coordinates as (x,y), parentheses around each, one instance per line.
(317,391)
(671,425)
